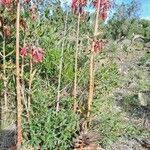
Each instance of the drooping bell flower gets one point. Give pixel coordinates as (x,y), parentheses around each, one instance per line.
(74,6)
(104,16)
(103,7)
(5,3)
(23,51)
(78,6)
(26,1)
(99,45)
(37,55)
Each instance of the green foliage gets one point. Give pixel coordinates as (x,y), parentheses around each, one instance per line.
(55,130)
(48,128)
(106,78)
(126,17)
(127,28)
(112,122)
(144,59)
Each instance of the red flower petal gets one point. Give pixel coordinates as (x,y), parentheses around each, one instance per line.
(37,55)
(78,5)
(6,3)
(104,16)
(23,51)
(26,1)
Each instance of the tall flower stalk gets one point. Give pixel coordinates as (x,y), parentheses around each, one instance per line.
(76,64)
(29,86)
(61,64)
(91,70)
(77,9)
(19,105)
(102,7)
(24,99)
(5,77)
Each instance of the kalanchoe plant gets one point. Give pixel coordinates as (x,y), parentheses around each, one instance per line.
(37,53)
(99,45)
(26,1)
(77,9)
(23,51)
(78,6)
(6,3)
(104,7)
(33,12)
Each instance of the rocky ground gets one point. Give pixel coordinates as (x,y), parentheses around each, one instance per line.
(133,60)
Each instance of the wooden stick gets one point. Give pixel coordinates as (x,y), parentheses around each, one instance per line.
(19,105)
(76,64)
(91,84)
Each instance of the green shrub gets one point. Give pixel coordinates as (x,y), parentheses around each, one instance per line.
(48,128)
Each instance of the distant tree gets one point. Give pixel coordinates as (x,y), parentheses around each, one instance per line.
(125,21)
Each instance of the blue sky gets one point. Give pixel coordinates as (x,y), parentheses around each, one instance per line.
(145,7)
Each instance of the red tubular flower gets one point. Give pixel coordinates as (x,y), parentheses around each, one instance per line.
(5,3)
(104,7)
(37,55)
(23,52)
(26,1)
(78,5)
(99,45)
(104,16)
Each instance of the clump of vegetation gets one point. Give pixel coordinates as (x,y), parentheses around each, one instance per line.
(57,72)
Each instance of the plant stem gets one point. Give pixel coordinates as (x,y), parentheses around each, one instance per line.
(24,99)
(91,84)
(29,90)
(61,64)
(4,77)
(76,65)
(19,105)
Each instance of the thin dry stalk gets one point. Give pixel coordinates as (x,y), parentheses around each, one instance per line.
(91,85)
(5,78)
(23,85)
(19,105)
(76,65)
(30,84)
(61,65)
